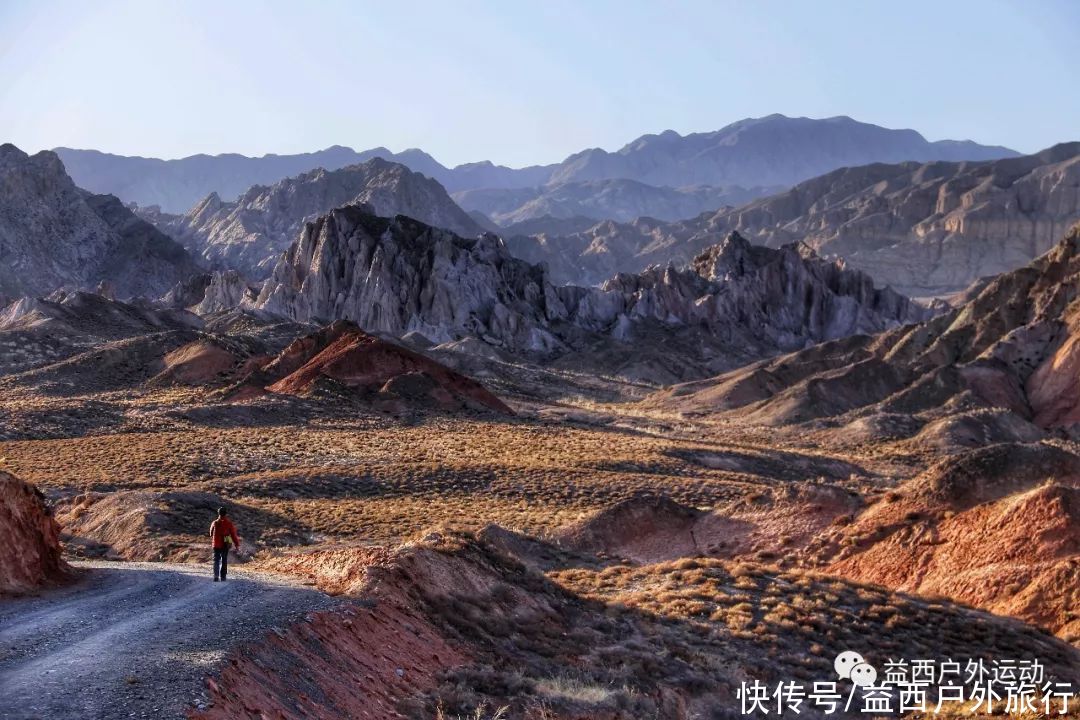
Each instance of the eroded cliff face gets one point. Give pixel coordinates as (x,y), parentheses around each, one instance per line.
(250,234)
(1009,355)
(54,235)
(398,276)
(933,228)
(29,538)
(924,229)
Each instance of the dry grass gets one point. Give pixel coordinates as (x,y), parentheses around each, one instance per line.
(575,689)
(611,642)
(803,619)
(373,478)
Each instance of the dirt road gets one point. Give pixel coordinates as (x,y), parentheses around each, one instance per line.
(134,640)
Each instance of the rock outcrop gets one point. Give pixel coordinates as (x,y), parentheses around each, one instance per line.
(249,234)
(226,289)
(398,276)
(30,554)
(929,229)
(54,235)
(1012,349)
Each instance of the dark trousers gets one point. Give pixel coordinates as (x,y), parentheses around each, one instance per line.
(221,562)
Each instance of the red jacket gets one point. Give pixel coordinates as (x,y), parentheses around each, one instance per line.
(220,529)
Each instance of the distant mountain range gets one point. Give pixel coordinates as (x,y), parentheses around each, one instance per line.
(924,228)
(54,235)
(763,152)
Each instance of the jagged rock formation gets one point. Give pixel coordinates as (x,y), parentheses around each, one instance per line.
(1003,365)
(928,229)
(54,235)
(249,234)
(187,293)
(30,553)
(614,199)
(399,276)
(227,289)
(933,228)
(773,150)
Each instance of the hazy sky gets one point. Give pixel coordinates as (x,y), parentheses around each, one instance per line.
(523,82)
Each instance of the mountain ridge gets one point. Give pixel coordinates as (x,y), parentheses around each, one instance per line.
(176,185)
(55,235)
(738,301)
(249,233)
(927,229)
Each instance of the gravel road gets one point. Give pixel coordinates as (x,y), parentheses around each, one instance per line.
(135,640)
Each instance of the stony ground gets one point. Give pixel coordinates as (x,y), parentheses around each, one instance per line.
(135,639)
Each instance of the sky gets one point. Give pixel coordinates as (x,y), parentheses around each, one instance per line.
(520,82)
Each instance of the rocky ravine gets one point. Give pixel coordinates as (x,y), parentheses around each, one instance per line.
(398,276)
(929,229)
(54,235)
(249,234)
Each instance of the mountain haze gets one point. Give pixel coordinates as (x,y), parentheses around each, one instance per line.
(926,229)
(769,151)
(614,199)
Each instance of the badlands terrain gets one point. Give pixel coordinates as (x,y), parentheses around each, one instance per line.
(466,488)
(557,542)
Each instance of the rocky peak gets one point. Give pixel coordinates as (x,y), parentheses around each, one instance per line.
(398,276)
(734,256)
(926,229)
(248,235)
(54,235)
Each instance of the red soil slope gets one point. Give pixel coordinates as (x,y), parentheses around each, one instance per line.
(361,362)
(29,538)
(353,663)
(358,662)
(1002,535)
(342,358)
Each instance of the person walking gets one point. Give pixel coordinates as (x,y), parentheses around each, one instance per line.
(223,537)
